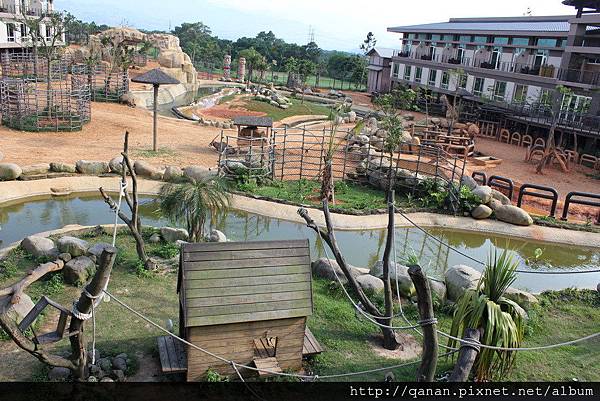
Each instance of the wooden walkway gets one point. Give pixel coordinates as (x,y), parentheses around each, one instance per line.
(311,345)
(173,358)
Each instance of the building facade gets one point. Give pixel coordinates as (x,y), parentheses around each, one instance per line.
(379,68)
(14,34)
(511,62)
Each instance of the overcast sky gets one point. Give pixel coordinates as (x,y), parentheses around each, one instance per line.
(338,24)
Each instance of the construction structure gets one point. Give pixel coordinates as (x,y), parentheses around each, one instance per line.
(245,302)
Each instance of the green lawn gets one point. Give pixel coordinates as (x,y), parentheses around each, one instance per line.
(297,108)
(560,317)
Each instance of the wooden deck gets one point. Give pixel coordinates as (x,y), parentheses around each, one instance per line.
(311,345)
(173,358)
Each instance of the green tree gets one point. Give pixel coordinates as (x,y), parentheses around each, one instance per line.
(191,202)
(253,59)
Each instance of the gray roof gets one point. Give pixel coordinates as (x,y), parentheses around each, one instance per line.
(251,121)
(482,25)
(155,77)
(384,52)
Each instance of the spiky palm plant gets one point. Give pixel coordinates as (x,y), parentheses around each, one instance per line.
(190,202)
(498,319)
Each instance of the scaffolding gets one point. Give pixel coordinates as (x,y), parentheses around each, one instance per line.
(106,83)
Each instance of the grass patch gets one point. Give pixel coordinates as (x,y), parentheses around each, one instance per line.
(296,109)
(226,99)
(149,153)
(547,221)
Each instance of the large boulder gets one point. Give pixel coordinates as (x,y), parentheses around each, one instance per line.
(469,182)
(324,268)
(370,283)
(483,193)
(217,236)
(481,212)
(58,374)
(513,215)
(74,246)
(172,173)
(146,170)
(36,169)
(495,204)
(97,249)
(198,173)
(92,167)
(500,197)
(523,298)
(438,289)
(116,165)
(459,279)
(40,247)
(9,171)
(398,276)
(62,168)
(77,271)
(172,235)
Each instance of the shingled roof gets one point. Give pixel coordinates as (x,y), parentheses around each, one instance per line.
(155,77)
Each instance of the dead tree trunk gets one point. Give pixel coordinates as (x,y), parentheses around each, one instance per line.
(426,372)
(329,238)
(84,305)
(389,336)
(466,357)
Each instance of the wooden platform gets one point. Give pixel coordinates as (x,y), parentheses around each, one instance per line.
(269,364)
(172,353)
(311,345)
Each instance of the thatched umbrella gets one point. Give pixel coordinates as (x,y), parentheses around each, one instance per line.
(156,78)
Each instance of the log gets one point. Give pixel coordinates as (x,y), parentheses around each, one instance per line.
(466,357)
(17,289)
(426,372)
(389,337)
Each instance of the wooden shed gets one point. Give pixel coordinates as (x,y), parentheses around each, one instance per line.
(247,302)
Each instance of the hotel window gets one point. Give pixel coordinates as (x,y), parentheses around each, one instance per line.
(501,40)
(462,81)
(436,38)
(520,41)
(445,80)
(478,86)
(48,32)
(465,39)
(500,91)
(418,74)
(10,32)
(23,30)
(432,77)
(520,95)
(396,70)
(407,72)
(480,39)
(544,42)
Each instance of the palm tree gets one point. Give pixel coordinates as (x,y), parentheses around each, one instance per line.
(498,319)
(191,202)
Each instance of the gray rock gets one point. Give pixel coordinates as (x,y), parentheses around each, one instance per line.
(123,356)
(174,234)
(324,268)
(119,364)
(180,243)
(499,196)
(93,258)
(92,379)
(119,375)
(62,168)
(172,173)
(217,236)
(77,271)
(59,374)
(484,193)
(36,169)
(95,370)
(235,167)
(9,171)
(352,116)
(116,165)
(459,279)
(523,298)
(469,182)
(398,276)
(438,289)
(105,364)
(154,238)
(39,246)
(65,257)
(92,167)
(74,246)
(146,170)
(481,212)
(106,380)
(495,204)
(370,283)
(513,215)
(198,173)
(97,249)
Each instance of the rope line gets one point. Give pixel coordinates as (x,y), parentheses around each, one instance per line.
(483,263)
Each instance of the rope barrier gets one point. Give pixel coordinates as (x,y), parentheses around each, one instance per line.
(483,263)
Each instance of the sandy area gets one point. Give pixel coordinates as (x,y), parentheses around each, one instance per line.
(185,143)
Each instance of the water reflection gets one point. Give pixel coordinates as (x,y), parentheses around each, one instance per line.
(362,248)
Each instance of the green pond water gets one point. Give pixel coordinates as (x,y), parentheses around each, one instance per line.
(362,248)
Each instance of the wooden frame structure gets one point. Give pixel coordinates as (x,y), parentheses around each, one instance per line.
(247,302)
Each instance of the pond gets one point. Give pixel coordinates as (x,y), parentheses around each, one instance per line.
(362,248)
(188,98)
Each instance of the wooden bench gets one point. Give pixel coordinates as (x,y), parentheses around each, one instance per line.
(311,345)
(173,357)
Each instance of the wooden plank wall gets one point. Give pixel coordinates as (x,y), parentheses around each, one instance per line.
(236,342)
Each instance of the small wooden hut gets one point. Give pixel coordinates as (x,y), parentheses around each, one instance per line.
(247,302)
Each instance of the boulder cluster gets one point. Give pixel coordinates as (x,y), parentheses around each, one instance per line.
(457,280)
(495,203)
(105,369)
(271,96)
(215,123)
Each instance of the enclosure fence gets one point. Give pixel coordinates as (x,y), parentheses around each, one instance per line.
(107,84)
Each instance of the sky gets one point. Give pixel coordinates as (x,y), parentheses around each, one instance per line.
(337,24)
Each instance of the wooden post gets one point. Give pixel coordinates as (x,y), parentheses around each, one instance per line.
(155,122)
(426,372)
(84,305)
(466,357)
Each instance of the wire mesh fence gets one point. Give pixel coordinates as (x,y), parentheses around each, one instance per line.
(28,66)
(106,83)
